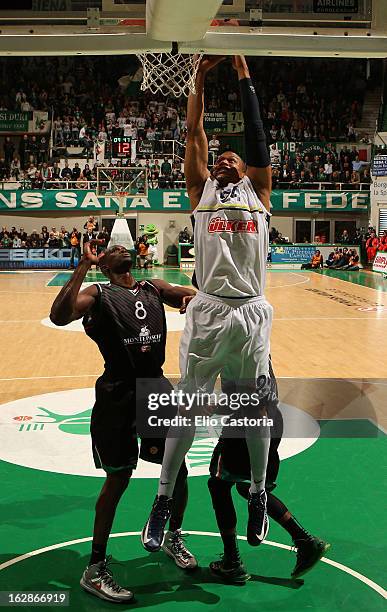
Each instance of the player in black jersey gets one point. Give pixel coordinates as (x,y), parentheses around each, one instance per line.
(230,465)
(127,321)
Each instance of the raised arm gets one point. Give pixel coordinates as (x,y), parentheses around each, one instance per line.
(175,296)
(257,155)
(196,154)
(71,304)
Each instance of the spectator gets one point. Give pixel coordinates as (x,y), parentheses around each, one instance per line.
(383,242)
(166,168)
(9,149)
(353,264)
(66,173)
(75,244)
(45,235)
(331,259)
(6,241)
(103,235)
(144,258)
(76,172)
(91,225)
(16,242)
(315,263)
(342,259)
(372,245)
(213,147)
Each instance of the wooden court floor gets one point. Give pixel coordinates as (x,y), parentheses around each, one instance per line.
(325,327)
(328,350)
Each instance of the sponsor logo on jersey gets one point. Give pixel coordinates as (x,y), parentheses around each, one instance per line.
(233,226)
(145,337)
(230,193)
(144,332)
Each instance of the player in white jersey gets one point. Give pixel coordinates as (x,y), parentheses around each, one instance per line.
(229,321)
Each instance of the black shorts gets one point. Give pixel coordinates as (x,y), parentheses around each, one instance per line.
(113,427)
(230,459)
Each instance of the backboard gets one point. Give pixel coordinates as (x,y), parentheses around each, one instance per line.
(126,182)
(321,28)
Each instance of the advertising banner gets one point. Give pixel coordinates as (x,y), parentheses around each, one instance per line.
(34,258)
(380,263)
(14,121)
(159,200)
(215,122)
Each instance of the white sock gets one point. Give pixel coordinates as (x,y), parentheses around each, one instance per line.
(176,449)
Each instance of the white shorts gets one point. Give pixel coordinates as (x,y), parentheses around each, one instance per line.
(230,337)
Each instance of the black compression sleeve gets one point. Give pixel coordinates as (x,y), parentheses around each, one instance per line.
(257,154)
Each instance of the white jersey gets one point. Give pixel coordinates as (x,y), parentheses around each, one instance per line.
(231,239)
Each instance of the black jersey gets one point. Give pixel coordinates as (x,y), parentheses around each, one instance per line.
(129,328)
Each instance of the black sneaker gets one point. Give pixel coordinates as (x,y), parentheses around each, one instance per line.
(230,571)
(309,551)
(258,523)
(152,536)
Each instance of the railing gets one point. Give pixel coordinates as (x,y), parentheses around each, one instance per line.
(72,184)
(324,186)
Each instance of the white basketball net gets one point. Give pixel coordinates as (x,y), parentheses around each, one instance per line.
(169,73)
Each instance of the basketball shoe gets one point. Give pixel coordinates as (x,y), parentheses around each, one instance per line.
(152,536)
(258,522)
(98,580)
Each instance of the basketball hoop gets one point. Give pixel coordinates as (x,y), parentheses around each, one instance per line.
(170,73)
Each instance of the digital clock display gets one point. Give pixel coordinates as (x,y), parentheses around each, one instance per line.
(121,146)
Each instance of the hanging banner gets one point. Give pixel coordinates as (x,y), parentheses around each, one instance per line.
(39,122)
(215,122)
(379,165)
(292,148)
(146,147)
(235,122)
(379,189)
(11,121)
(168,200)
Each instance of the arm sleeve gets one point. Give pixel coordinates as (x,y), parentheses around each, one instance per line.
(257,154)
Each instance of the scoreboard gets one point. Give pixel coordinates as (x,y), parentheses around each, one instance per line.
(121,146)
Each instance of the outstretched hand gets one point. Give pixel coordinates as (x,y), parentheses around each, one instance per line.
(90,251)
(208,62)
(239,64)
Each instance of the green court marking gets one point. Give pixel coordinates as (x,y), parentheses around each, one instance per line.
(372,280)
(327,487)
(174,276)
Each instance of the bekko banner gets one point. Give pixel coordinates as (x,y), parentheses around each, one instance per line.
(159,200)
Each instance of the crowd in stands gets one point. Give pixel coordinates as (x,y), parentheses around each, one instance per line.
(55,238)
(302,99)
(366,239)
(90,100)
(333,169)
(162,174)
(375,244)
(339,259)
